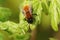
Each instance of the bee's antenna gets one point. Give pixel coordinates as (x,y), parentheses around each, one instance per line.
(29,30)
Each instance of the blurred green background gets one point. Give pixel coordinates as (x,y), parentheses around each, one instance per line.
(13,5)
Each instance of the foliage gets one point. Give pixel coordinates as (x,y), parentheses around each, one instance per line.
(13,31)
(19,31)
(5,13)
(2,1)
(54,15)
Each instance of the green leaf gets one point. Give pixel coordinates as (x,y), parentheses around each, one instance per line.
(1,36)
(54,16)
(10,27)
(2,1)
(58,8)
(53,39)
(45,6)
(5,13)
(4,35)
(37,11)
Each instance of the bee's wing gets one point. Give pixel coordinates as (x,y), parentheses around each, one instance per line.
(30,9)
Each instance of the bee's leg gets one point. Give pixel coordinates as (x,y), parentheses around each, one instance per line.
(24,19)
(29,30)
(34,14)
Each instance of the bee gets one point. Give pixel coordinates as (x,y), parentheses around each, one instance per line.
(28,13)
(27,10)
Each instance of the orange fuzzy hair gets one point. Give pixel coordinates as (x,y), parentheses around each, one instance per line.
(26,8)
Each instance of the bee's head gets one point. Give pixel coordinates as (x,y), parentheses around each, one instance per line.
(26,8)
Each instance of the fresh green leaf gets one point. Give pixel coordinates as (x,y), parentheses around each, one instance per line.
(1,36)
(5,13)
(54,16)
